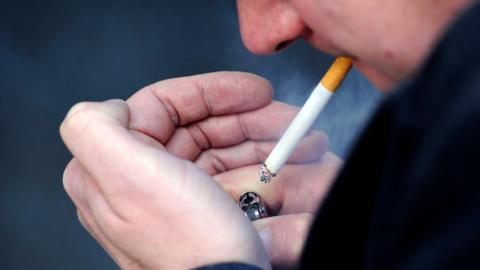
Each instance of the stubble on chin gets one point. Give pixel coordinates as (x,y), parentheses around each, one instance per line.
(381,81)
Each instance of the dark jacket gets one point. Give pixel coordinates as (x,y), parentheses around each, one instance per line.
(409,195)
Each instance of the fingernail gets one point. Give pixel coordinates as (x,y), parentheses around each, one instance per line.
(266,236)
(115,101)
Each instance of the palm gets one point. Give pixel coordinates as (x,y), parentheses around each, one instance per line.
(228,134)
(156,189)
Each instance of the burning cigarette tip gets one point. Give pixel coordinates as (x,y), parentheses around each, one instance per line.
(265,175)
(305,118)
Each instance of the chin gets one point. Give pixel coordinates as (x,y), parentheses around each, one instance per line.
(381,81)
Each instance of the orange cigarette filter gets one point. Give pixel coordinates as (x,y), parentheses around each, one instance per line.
(337,72)
(305,118)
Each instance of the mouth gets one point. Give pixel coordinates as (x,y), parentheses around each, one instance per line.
(355,61)
(328,47)
(321,44)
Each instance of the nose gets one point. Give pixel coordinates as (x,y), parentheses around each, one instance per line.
(268,26)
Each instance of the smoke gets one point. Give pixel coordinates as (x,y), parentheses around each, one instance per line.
(294,73)
(55,53)
(344,116)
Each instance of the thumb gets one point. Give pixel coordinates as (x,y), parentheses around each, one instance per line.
(284,237)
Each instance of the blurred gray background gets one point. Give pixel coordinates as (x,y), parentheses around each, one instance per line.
(56,53)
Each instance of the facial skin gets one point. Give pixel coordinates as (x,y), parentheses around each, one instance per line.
(388,40)
(156,179)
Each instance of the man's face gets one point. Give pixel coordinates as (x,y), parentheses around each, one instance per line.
(338,27)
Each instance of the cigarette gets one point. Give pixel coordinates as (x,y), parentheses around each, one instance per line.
(305,118)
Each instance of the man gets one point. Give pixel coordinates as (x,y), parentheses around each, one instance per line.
(149,175)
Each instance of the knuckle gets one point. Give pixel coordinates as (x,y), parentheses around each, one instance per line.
(67,178)
(67,183)
(82,220)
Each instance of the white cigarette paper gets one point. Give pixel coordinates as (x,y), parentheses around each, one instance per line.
(296,131)
(305,118)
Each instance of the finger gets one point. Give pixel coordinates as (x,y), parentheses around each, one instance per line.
(122,260)
(297,188)
(147,139)
(80,187)
(284,237)
(158,108)
(97,136)
(219,160)
(239,181)
(267,123)
(85,194)
(305,188)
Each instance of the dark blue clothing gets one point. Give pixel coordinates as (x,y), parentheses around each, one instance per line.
(409,195)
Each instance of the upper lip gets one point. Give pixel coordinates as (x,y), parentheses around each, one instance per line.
(326,48)
(332,50)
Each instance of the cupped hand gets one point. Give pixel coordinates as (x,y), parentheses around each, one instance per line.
(293,197)
(143,171)
(232,147)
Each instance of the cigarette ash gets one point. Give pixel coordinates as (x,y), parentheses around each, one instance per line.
(265,175)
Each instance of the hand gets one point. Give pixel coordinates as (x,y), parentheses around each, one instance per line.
(293,197)
(135,188)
